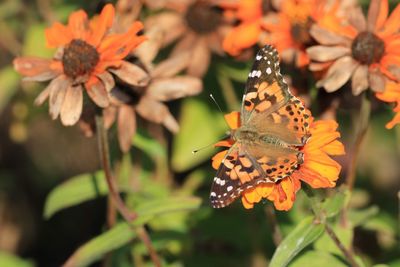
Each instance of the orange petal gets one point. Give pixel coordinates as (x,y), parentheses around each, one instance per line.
(284,195)
(58,35)
(105,21)
(241,37)
(334,148)
(117,46)
(396,118)
(246,204)
(217,159)
(252,196)
(79,25)
(225,143)
(265,190)
(392,23)
(233,119)
(383,13)
(314,179)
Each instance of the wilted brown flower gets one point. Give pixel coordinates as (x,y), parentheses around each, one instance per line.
(147,100)
(363,50)
(87,55)
(199,26)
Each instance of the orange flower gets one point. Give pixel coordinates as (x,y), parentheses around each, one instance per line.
(289,28)
(318,170)
(363,50)
(248,32)
(392,94)
(86,55)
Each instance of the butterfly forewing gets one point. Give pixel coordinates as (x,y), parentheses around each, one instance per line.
(266,91)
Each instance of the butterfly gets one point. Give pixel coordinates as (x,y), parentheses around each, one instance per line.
(274,125)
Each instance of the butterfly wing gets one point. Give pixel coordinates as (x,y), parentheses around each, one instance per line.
(268,106)
(237,172)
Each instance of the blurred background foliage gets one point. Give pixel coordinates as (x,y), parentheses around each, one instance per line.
(53,199)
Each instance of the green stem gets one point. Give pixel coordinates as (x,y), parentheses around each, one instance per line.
(128,215)
(227,90)
(276,231)
(318,213)
(363,121)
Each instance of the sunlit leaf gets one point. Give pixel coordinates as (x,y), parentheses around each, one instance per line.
(77,190)
(306,232)
(317,259)
(200,126)
(9,260)
(334,204)
(122,233)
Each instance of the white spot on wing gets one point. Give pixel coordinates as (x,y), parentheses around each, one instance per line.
(269,71)
(229,188)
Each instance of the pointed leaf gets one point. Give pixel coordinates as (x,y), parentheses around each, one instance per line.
(306,232)
(75,191)
(122,233)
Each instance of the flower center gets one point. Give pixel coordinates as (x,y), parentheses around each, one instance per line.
(300,32)
(367,48)
(266,6)
(203,18)
(79,58)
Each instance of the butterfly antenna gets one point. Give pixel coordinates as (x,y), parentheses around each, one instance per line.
(211,144)
(219,107)
(216,103)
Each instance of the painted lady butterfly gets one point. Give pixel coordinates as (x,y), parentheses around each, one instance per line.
(273,128)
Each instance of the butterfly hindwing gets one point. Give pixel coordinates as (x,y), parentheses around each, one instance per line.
(237,172)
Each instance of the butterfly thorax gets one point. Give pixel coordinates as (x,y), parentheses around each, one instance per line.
(246,135)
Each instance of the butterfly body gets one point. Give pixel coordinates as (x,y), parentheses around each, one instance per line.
(267,143)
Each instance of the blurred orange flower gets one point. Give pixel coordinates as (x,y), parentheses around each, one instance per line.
(86,55)
(365,50)
(392,95)
(318,170)
(289,28)
(249,13)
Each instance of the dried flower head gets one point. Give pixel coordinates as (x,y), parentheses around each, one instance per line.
(87,55)
(363,50)
(198,26)
(318,169)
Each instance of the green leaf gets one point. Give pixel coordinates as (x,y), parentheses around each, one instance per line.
(326,244)
(306,232)
(9,260)
(149,145)
(360,217)
(93,250)
(317,259)
(333,205)
(77,190)
(200,126)
(122,234)
(9,80)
